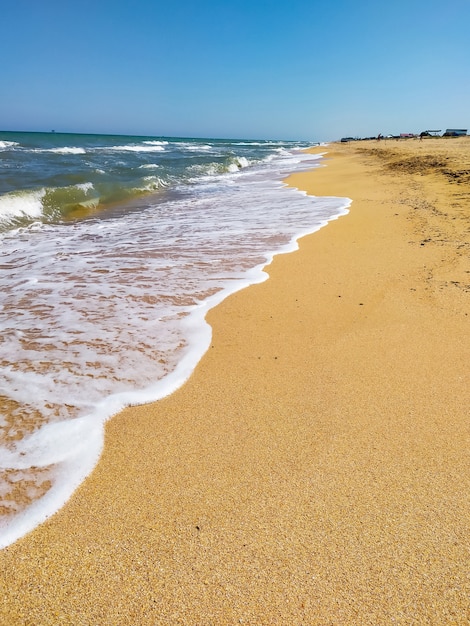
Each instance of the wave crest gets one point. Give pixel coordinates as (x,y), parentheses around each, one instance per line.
(67,150)
(21,204)
(152,183)
(21,207)
(156,143)
(137,148)
(5,145)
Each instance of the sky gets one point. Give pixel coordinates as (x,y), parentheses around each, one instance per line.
(313,70)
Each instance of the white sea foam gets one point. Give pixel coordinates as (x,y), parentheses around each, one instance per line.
(149,166)
(257,143)
(239,163)
(67,150)
(100,314)
(196,147)
(86,187)
(136,148)
(205,170)
(6,145)
(152,183)
(156,143)
(217,168)
(22,204)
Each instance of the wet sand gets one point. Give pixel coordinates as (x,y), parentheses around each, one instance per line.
(315,468)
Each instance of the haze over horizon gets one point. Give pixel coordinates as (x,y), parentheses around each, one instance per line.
(299,70)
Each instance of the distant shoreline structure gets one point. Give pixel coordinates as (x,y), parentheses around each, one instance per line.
(449,132)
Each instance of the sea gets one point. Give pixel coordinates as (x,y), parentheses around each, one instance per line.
(113,249)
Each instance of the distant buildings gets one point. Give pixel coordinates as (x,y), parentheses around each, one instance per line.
(455,132)
(450,132)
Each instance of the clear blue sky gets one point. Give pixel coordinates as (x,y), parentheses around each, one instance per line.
(289,69)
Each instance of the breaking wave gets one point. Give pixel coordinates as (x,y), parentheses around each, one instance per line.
(136,148)
(5,145)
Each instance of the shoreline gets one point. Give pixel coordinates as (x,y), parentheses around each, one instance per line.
(26,522)
(313,469)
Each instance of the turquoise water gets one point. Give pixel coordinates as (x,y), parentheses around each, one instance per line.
(113,250)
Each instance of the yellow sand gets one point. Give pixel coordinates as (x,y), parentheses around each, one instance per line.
(315,468)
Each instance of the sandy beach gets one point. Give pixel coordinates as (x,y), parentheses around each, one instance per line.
(315,468)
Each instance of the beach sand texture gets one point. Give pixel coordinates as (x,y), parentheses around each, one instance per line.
(315,468)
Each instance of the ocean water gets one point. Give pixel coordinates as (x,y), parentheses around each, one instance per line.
(113,249)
